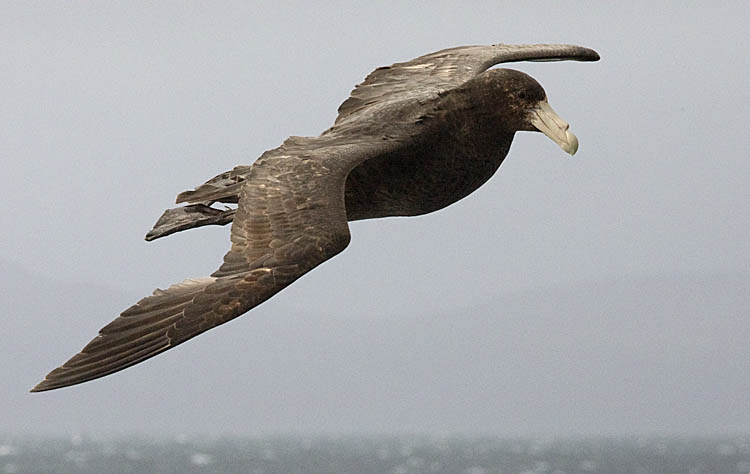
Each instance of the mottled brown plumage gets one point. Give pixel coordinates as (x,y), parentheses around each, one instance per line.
(414,137)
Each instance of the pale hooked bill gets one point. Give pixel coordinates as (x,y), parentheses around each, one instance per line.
(549,123)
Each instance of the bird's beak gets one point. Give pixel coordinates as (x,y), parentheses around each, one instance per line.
(549,123)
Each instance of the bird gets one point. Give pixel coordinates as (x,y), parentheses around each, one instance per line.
(414,137)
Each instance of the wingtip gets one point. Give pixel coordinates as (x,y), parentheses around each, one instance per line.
(52,382)
(47,384)
(40,387)
(585,54)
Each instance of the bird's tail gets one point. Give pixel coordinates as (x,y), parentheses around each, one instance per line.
(188,217)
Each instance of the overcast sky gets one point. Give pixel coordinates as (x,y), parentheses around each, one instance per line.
(603,293)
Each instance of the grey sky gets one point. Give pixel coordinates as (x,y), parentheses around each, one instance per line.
(108,112)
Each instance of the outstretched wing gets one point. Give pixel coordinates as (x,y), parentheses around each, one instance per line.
(291,217)
(442,70)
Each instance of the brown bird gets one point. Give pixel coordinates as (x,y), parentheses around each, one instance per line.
(413,138)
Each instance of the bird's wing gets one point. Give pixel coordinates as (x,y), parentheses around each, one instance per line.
(291,217)
(436,72)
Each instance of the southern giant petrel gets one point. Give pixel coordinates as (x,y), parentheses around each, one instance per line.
(413,138)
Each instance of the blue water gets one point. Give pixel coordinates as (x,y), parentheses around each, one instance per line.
(183,455)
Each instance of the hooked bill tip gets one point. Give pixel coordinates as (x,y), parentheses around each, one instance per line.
(570,144)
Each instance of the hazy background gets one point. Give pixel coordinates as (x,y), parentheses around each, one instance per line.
(606,293)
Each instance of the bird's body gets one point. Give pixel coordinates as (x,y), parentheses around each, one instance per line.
(454,153)
(413,138)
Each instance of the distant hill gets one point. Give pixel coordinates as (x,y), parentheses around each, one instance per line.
(43,316)
(657,354)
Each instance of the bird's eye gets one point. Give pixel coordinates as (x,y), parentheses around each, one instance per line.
(522,95)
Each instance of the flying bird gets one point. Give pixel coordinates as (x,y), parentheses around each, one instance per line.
(413,138)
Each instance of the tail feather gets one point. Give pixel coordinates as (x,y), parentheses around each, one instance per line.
(188,217)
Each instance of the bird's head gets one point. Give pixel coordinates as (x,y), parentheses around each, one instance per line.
(520,103)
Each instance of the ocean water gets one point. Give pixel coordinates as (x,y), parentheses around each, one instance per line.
(373,455)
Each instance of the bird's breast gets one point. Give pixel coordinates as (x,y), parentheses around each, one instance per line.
(424,176)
